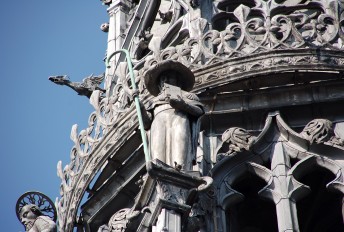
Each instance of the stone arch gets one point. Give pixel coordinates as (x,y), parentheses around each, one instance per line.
(240,187)
(308,164)
(322,208)
(245,208)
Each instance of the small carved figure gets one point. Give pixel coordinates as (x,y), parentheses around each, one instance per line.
(105,27)
(34,220)
(172,115)
(165,16)
(85,88)
(194,3)
(144,38)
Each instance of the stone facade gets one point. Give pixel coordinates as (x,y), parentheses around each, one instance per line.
(270,152)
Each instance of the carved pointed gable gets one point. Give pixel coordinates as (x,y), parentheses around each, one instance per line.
(278,159)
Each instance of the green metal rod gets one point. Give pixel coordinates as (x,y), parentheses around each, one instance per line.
(136,99)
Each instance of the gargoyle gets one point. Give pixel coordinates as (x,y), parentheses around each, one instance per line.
(84,88)
(165,16)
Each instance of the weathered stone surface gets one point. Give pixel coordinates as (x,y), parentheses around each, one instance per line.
(248,59)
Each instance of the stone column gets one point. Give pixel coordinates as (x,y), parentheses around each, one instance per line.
(285,206)
(118,12)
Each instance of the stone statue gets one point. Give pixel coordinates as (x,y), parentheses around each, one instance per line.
(34,220)
(36,212)
(84,88)
(172,115)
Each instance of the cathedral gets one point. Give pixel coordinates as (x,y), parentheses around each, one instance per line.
(211,116)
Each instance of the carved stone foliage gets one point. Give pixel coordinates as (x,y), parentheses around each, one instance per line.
(270,158)
(317,131)
(238,139)
(168,19)
(301,24)
(76,176)
(282,30)
(267,26)
(118,222)
(320,131)
(103,228)
(336,141)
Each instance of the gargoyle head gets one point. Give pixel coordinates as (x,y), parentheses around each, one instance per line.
(60,80)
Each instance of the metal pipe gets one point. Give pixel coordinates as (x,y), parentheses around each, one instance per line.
(136,99)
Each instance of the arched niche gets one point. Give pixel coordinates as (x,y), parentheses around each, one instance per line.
(253,212)
(243,207)
(322,208)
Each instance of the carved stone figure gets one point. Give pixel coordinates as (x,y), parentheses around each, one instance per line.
(36,212)
(165,16)
(194,3)
(144,38)
(172,115)
(34,220)
(85,88)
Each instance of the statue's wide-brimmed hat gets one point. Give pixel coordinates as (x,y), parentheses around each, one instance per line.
(186,78)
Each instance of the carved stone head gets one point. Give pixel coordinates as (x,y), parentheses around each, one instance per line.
(105,27)
(28,215)
(36,212)
(59,80)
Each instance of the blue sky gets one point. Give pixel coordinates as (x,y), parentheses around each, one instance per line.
(39,39)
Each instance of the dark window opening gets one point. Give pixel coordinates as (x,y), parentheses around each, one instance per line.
(320,211)
(254,214)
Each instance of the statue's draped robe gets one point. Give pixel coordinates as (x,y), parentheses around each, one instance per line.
(174,133)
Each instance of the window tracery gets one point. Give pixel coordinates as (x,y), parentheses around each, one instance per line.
(299,177)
